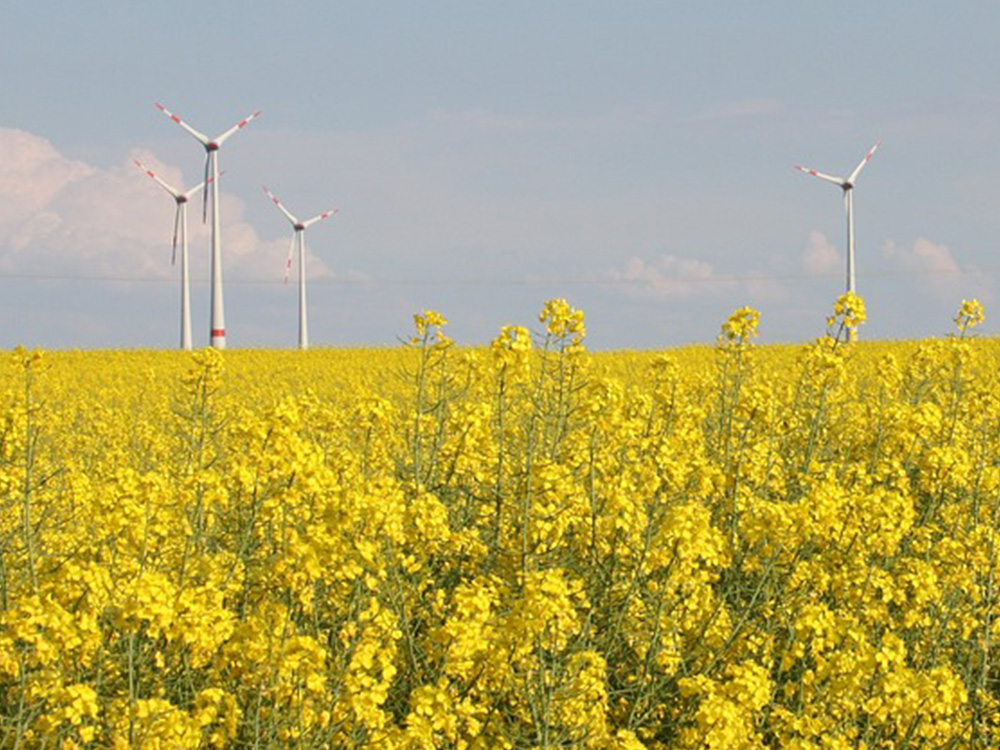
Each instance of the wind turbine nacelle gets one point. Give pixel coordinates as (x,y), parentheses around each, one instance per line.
(181,199)
(212,146)
(299,227)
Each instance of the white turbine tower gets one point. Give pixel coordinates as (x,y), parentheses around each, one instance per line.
(181,198)
(847,185)
(217,325)
(299,246)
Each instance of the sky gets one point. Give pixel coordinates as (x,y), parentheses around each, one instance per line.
(634,157)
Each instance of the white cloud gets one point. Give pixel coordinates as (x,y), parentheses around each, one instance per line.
(59,216)
(936,269)
(819,256)
(667,276)
(32,173)
(924,257)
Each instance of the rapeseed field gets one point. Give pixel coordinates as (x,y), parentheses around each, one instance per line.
(519,546)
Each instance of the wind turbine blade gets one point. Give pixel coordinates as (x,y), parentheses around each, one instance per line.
(209,155)
(202,138)
(322,216)
(241,124)
(275,201)
(839,181)
(868,157)
(177,224)
(152,175)
(198,187)
(291,251)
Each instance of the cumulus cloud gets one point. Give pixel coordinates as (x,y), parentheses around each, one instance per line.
(935,268)
(667,276)
(60,216)
(924,257)
(32,173)
(819,256)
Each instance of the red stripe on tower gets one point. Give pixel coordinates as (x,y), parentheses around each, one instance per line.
(218,333)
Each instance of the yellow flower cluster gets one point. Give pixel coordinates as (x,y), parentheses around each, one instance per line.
(520,546)
(970,314)
(848,313)
(562,321)
(430,328)
(741,327)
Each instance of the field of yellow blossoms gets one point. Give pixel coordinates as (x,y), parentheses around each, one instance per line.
(519,546)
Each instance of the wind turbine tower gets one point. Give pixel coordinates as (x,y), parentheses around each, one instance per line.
(181,198)
(217,324)
(847,185)
(298,247)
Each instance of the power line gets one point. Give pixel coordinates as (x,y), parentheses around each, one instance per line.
(493,281)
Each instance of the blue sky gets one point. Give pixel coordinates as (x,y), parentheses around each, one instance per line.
(633,157)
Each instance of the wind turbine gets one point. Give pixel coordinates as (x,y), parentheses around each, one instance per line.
(217,325)
(299,245)
(847,185)
(181,198)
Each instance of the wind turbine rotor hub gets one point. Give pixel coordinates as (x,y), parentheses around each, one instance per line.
(182,199)
(299,227)
(213,146)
